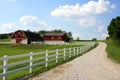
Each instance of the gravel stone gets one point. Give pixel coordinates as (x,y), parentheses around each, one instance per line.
(94,65)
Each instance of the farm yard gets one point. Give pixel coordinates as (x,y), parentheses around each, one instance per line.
(39,51)
(67,40)
(15,49)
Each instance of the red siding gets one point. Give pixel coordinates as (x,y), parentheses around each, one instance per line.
(19,36)
(53,38)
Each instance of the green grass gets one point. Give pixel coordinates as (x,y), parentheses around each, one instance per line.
(16,49)
(4,40)
(113,49)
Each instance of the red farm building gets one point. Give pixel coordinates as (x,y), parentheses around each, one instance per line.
(55,38)
(25,37)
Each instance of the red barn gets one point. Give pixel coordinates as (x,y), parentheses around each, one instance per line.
(55,38)
(25,37)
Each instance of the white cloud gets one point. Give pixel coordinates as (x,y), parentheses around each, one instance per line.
(99,29)
(87,22)
(113,6)
(7,27)
(27,19)
(103,36)
(27,22)
(84,14)
(88,9)
(75,36)
(93,36)
(33,22)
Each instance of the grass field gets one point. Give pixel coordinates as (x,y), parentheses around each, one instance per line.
(113,49)
(15,49)
(4,40)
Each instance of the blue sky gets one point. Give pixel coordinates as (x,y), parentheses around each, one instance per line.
(86,19)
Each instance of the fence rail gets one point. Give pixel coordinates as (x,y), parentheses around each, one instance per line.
(43,58)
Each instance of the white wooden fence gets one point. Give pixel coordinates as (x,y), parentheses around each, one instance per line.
(46,58)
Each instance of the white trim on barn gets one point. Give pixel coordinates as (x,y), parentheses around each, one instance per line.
(54,42)
(25,41)
(38,42)
(13,41)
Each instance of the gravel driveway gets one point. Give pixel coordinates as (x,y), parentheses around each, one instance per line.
(93,65)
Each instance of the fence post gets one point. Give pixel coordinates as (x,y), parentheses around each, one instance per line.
(56,55)
(77,50)
(69,52)
(64,53)
(74,51)
(31,62)
(5,67)
(80,49)
(46,65)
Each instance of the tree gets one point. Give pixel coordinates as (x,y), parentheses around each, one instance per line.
(114,28)
(67,39)
(70,35)
(41,32)
(29,30)
(94,39)
(107,38)
(78,39)
(5,36)
(57,30)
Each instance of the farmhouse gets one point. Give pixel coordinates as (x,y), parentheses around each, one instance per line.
(55,38)
(25,37)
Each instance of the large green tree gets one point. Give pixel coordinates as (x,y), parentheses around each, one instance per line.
(114,28)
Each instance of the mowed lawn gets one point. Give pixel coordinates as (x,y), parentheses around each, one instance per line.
(15,49)
(4,40)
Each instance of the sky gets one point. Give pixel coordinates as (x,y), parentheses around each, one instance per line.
(86,19)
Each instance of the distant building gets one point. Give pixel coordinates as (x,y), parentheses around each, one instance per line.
(25,37)
(55,38)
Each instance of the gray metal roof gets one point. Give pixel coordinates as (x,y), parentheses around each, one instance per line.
(55,34)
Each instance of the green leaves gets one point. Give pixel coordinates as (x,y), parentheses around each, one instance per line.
(114,28)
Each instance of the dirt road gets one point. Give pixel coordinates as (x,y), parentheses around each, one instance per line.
(93,65)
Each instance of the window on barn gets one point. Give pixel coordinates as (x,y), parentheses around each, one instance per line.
(59,37)
(45,37)
(52,37)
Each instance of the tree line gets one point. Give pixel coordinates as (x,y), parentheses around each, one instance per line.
(114,28)
(5,36)
(41,32)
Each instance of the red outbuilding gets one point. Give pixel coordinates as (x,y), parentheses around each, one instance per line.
(25,37)
(55,38)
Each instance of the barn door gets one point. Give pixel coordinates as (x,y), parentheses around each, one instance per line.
(29,41)
(18,41)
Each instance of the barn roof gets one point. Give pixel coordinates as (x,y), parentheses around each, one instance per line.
(32,35)
(55,34)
